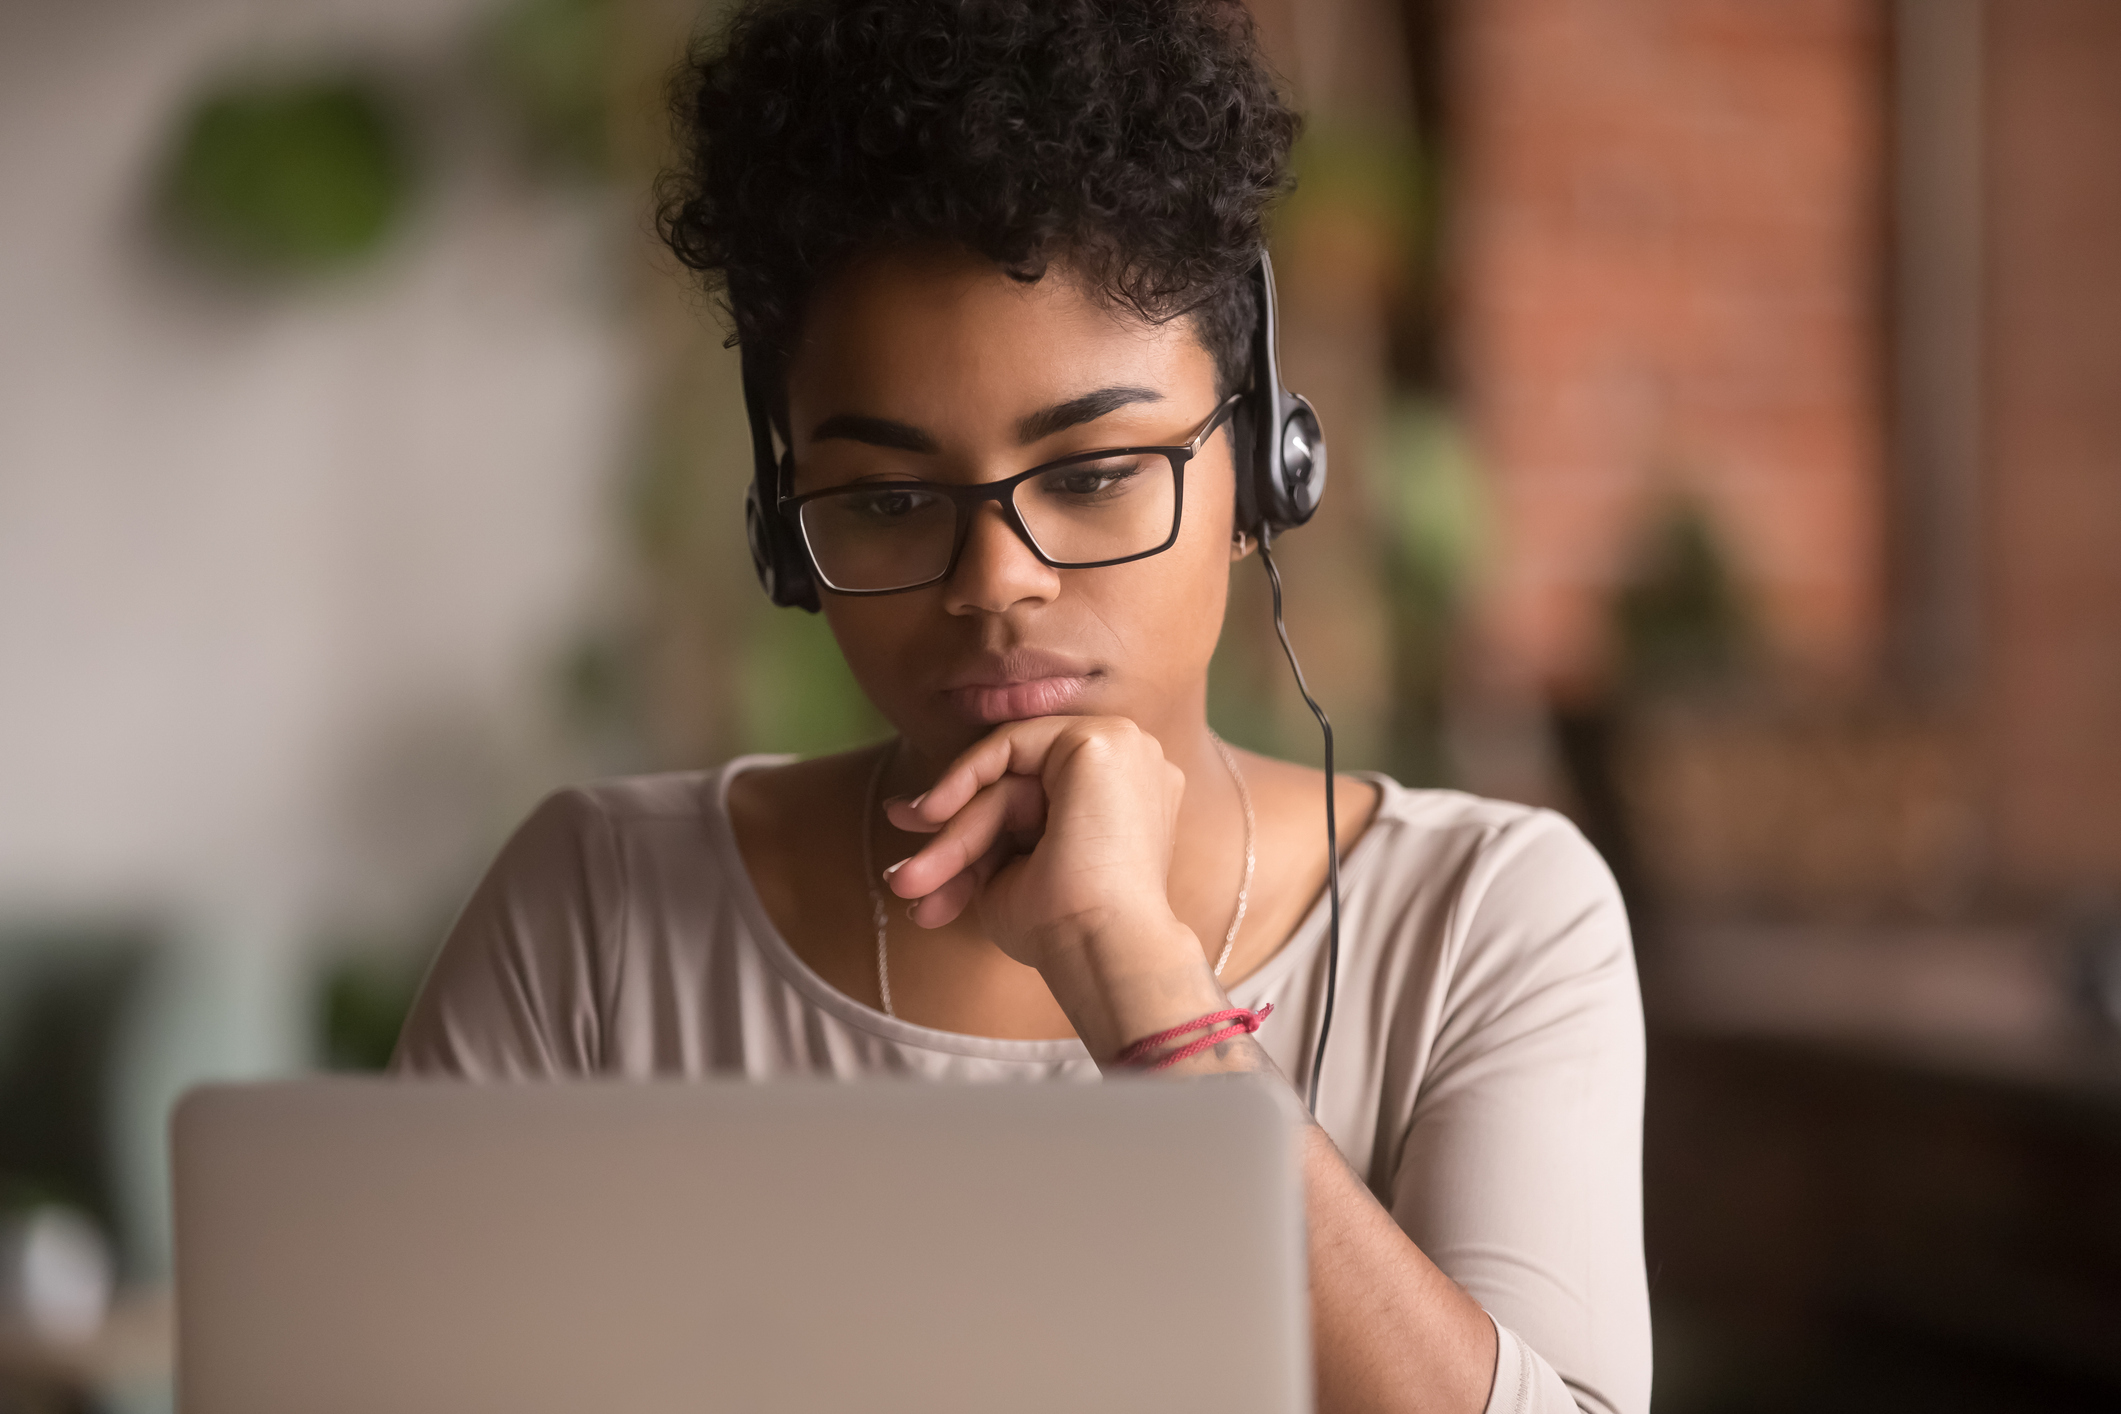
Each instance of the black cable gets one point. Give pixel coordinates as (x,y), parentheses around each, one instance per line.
(1325,1019)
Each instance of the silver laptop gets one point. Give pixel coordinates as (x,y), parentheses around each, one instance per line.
(367,1245)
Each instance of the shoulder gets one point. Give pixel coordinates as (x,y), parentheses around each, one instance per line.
(593,845)
(1502,888)
(1433,808)
(596,875)
(618,801)
(1489,842)
(615,807)
(571,850)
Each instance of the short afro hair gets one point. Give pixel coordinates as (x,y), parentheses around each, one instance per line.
(1139,142)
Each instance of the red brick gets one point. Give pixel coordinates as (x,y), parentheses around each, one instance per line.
(1666,266)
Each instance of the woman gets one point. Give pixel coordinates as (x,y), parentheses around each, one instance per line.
(970,243)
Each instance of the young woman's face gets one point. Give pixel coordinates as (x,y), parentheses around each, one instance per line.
(937,366)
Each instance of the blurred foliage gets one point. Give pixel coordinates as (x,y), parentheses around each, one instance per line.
(1425,481)
(596,685)
(1241,701)
(553,62)
(365,998)
(1428,483)
(798,694)
(67,992)
(289,175)
(1374,174)
(674,497)
(602,698)
(1680,619)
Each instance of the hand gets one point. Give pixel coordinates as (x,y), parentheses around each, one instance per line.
(1059,829)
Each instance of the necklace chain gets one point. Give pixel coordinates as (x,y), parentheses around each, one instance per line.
(881,915)
(1244,890)
(876,888)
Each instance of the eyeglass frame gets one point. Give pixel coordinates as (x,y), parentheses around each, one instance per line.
(966,499)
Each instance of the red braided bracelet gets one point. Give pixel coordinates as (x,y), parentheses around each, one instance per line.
(1241,1022)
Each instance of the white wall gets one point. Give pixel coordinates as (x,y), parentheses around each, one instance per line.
(283,575)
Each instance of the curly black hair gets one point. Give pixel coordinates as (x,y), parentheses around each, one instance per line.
(1139,142)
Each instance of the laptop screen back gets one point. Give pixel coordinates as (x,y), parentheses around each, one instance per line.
(362,1245)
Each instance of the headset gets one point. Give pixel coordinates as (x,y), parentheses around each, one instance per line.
(1278,491)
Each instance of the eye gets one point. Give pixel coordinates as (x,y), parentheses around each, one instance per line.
(889,503)
(1091,480)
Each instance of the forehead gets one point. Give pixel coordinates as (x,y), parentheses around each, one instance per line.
(938,338)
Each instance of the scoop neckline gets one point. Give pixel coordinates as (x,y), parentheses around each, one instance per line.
(1302,944)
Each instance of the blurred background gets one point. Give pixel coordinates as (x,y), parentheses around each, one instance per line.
(1726,410)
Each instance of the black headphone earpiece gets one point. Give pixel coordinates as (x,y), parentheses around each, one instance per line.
(782,565)
(1288,444)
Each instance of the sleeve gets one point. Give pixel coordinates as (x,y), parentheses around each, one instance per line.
(517,991)
(1521,1175)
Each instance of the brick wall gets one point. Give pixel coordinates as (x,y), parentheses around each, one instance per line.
(2052,640)
(1666,256)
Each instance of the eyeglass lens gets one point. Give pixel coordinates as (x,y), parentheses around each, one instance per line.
(896,535)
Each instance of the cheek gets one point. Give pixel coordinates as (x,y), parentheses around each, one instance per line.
(877,638)
(1172,605)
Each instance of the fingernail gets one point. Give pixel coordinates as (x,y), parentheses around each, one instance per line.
(915,803)
(898,866)
(910,907)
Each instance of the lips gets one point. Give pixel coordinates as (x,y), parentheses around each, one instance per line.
(1009,687)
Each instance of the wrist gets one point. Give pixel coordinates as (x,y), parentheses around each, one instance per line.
(1119,980)
(1117,940)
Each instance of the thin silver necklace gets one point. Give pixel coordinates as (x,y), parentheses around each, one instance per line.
(876,885)
(1244,890)
(882,914)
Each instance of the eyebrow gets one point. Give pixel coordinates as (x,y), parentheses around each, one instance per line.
(1076,411)
(904,437)
(876,431)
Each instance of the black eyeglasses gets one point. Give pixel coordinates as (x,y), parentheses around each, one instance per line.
(1082,512)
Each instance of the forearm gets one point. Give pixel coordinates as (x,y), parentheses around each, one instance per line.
(1390,1331)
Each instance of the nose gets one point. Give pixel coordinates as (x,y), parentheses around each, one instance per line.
(997,571)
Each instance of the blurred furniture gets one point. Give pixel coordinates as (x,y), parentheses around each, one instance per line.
(131,1358)
(1880,1173)
(65,993)
(63,997)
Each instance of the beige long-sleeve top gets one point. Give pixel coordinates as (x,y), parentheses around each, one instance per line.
(1484,1072)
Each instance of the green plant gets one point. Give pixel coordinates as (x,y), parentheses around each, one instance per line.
(365,999)
(1680,619)
(797,692)
(289,175)
(1434,532)
(553,62)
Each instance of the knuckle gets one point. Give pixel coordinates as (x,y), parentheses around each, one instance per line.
(1119,737)
(1089,734)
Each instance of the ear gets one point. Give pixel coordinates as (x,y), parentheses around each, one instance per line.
(1240,545)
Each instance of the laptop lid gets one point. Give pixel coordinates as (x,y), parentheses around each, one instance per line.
(358,1245)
